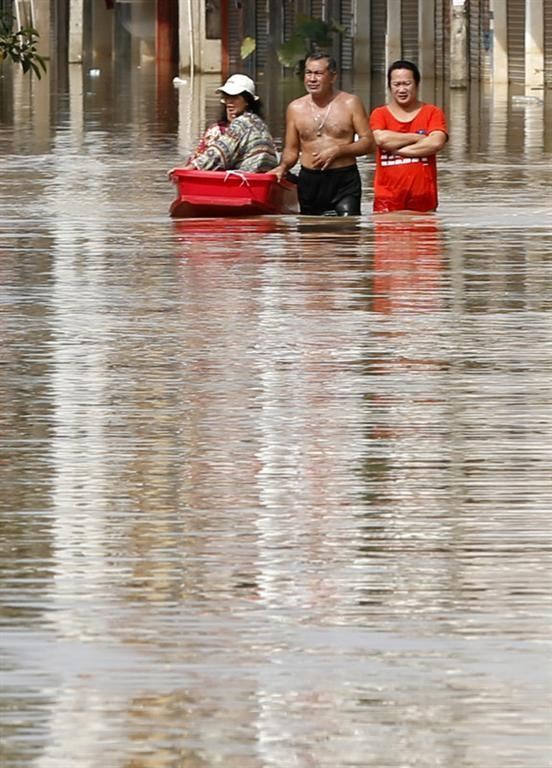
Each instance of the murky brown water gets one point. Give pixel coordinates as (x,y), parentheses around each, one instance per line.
(275,492)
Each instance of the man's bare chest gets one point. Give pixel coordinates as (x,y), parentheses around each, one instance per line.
(319,125)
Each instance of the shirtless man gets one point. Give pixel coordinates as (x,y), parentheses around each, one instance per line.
(321,127)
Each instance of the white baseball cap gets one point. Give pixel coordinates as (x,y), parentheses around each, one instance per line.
(237,84)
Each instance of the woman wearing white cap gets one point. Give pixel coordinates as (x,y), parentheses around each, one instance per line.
(241,139)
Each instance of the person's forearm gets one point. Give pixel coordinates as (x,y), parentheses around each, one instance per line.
(361,146)
(288,159)
(394,140)
(427,146)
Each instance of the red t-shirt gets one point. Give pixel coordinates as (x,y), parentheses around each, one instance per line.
(406,183)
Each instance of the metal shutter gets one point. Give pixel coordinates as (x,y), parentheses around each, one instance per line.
(474,38)
(516,41)
(409,30)
(318,9)
(347,19)
(262,24)
(438,38)
(378,24)
(288,19)
(235,36)
(249,29)
(442,39)
(479,39)
(548,44)
(485,40)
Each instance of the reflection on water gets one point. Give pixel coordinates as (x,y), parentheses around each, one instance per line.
(276,491)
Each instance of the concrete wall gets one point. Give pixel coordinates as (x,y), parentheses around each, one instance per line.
(197,53)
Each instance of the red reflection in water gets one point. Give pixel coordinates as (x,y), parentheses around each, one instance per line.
(223,228)
(408,264)
(408,270)
(221,239)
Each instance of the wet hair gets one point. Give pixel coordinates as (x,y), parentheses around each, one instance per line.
(253,105)
(320,56)
(403,64)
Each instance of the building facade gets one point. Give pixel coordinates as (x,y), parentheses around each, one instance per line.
(485,40)
(494,41)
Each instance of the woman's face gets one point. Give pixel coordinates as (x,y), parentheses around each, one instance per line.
(235,106)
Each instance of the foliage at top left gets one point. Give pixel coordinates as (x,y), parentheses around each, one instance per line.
(20,46)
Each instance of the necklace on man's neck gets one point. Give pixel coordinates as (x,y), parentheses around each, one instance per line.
(320,118)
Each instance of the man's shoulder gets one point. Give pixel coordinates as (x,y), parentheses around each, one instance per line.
(382,109)
(299,103)
(348,97)
(350,103)
(435,116)
(431,108)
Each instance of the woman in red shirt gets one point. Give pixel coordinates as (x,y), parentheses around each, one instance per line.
(408,135)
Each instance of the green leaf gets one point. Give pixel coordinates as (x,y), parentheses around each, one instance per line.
(249,44)
(36,70)
(20,46)
(340,28)
(314,30)
(310,35)
(291,52)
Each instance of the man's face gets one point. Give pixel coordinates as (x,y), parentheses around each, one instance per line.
(403,86)
(318,78)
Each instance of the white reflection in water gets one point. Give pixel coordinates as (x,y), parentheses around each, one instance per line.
(80,333)
(310,440)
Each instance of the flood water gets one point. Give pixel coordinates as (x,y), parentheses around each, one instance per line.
(275,492)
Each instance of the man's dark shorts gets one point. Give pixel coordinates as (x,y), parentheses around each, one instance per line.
(336,190)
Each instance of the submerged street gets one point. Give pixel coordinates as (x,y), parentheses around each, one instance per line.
(275,492)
